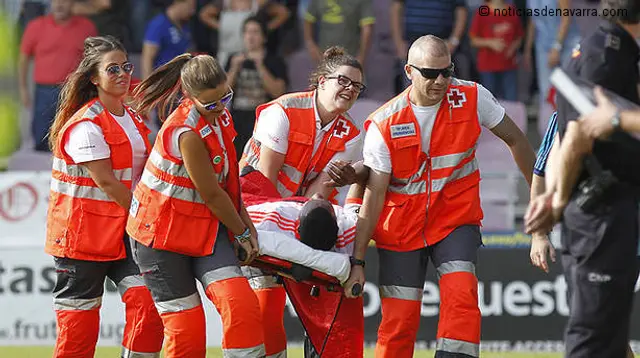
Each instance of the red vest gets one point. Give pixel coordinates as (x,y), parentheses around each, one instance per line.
(300,166)
(167,212)
(432,190)
(82,221)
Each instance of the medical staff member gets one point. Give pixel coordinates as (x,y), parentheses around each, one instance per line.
(99,149)
(187,215)
(295,137)
(423,200)
(298,134)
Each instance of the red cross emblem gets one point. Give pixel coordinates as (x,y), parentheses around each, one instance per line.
(341,129)
(456,98)
(224,119)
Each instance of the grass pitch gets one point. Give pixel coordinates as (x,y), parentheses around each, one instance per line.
(104,352)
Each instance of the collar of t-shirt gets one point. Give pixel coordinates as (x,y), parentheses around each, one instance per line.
(319,126)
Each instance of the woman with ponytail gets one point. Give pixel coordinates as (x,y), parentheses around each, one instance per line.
(305,143)
(186,218)
(99,150)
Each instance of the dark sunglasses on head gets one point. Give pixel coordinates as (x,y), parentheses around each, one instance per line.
(222,101)
(433,73)
(114,70)
(345,82)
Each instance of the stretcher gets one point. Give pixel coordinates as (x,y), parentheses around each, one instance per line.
(330,320)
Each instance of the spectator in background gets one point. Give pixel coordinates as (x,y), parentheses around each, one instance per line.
(109,16)
(167,36)
(555,37)
(227,18)
(445,19)
(256,77)
(55,42)
(498,37)
(347,24)
(29,10)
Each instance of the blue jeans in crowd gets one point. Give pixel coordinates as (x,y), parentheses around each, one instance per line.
(44,111)
(503,85)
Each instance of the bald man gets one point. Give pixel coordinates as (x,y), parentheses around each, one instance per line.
(422,200)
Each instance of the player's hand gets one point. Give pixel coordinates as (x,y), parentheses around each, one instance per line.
(597,124)
(355,277)
(540,248)
(539,215)
(341,173)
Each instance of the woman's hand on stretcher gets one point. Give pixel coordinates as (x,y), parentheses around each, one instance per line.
(355,277)
(250,247)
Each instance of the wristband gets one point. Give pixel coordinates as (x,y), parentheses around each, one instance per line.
(244,237)
(356,262)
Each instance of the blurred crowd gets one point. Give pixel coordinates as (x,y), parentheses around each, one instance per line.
(253,40)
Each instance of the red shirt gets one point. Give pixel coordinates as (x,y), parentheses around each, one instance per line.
(508,28)
(56,48)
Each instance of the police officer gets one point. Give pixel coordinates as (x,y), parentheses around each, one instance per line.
(600,220)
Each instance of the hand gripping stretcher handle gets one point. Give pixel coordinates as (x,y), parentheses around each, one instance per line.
(356,289)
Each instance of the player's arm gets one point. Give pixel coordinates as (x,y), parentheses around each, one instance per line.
(372,204)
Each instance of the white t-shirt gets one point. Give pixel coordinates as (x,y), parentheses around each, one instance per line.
(174,144)
(272,131)
(281,216)
(86,143)
(376,153)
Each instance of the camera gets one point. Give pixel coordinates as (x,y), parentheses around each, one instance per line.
(593,190)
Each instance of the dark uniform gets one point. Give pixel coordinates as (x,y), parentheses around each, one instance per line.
(600,247)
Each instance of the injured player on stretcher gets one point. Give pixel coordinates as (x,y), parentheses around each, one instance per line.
(306,235)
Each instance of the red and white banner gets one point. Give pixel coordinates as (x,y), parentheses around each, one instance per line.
(23,208)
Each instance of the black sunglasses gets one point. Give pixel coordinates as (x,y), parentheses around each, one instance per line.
(114,70)
(222,101)
(345,82)
(433,73)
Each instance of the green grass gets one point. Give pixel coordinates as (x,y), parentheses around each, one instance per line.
(46,352)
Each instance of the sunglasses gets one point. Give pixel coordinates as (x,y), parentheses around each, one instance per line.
(345,82)
(114,70)
(222,102)
(433,73)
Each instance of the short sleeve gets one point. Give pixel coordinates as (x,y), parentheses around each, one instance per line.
(367,15)
(545,147)
(375,152)
(86,143)
(490,111)
(272,129)
(30,37)
(174,144)
(311,15)
(153,34)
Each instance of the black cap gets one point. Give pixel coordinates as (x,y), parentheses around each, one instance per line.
(318,227)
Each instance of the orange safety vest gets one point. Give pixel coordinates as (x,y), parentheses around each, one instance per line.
(167,211)
(300,168)
(83,222)
(429,194)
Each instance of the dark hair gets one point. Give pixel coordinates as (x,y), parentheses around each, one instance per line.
(192,74)
(625,11)
(333,58)
(318,229)
(78,88)
(257,20)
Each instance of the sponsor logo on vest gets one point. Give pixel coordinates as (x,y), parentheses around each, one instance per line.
(217,159)
(456,98)
(403,130)
(205,131)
